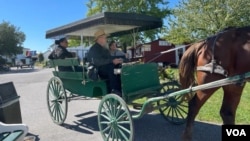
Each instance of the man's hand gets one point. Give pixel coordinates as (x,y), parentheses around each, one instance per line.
(117,61)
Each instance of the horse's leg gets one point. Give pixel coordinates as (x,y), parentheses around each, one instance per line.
(197,102)
(231,99)
(194,106)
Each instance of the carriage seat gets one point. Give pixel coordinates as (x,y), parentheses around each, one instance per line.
(74,74)
(78,82)
(140,80)
(73,64)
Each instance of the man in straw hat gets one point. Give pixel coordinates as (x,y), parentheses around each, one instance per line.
(100,57)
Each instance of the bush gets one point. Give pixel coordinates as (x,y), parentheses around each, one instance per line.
(2,61)
(166,73)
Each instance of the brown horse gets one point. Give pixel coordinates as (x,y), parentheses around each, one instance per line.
(225,54)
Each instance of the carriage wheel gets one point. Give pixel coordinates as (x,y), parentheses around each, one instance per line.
(57,100)
(174,109)
(114,119)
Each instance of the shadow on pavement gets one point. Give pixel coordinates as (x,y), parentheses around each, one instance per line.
(85,124)
(151,127)
(23,70)
(32,135)
(158,129)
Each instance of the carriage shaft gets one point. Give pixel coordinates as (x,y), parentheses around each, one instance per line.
(227,81)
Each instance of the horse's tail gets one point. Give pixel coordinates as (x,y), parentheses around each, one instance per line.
(187,67)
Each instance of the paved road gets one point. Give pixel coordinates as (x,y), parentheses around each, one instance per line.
(81,123)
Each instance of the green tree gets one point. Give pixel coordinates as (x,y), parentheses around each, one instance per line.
(2,61)
(197,19)
(11,39)
(157,8)
(40,58)
(74,42)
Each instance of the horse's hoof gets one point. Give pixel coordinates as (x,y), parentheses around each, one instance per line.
(186,137)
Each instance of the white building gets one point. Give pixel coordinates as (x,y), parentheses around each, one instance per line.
(80,51)
(46,55)
(27,58)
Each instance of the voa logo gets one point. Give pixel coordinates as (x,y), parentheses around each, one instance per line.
(236,132)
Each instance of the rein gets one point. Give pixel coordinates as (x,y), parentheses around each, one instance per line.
(212,67)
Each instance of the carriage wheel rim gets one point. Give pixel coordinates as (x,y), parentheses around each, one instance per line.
(114,119)
(176,113)
(57,100)
(175,109)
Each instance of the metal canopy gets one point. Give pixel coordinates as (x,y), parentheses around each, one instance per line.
(114,24)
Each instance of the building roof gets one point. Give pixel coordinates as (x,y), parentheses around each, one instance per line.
(114,24)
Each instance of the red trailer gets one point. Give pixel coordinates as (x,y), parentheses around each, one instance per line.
(149,52)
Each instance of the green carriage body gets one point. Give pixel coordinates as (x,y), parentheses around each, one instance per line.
(138,80)
(73,82)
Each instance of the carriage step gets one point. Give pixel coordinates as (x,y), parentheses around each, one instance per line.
(149,108)
(137,106)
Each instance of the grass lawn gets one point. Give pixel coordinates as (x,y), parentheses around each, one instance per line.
(210,111)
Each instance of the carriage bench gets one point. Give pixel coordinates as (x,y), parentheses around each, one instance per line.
(77,82)
(139,80)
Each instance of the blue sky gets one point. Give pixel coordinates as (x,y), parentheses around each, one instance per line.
(35,17)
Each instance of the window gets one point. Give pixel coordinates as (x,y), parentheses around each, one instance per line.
(146,47)
(164,43)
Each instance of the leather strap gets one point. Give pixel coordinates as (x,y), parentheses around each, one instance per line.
(213,68)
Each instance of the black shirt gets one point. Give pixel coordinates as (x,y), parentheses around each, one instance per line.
(99,55)
(60,53)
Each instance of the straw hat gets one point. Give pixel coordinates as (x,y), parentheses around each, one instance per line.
(99,33)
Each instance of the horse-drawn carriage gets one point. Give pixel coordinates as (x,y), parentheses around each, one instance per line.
(138,81)
(141,80)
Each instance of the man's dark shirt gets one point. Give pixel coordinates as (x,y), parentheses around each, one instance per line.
(101,58)
(99,55)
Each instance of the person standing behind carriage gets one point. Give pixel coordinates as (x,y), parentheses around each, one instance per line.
(100,57)
(116,53)
(61,52)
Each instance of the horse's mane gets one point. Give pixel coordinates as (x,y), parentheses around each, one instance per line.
(189,57)
(244,28)
(229,28)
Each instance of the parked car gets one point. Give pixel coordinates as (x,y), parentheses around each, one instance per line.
(4,67)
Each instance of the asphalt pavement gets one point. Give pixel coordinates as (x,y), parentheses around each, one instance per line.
(81,122)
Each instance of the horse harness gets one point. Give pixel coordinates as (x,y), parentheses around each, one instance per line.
(213,67)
